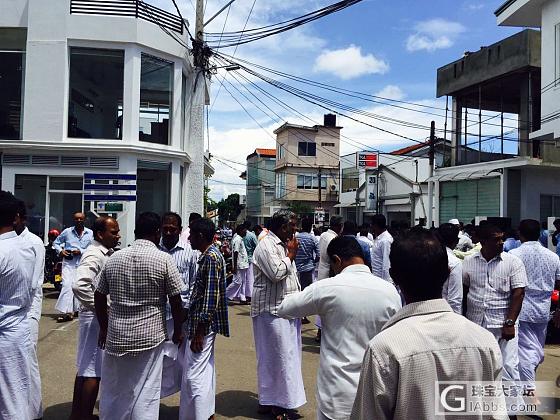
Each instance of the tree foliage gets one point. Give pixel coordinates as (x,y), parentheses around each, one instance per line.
(229,208)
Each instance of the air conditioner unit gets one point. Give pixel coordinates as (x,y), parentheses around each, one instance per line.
(332,186)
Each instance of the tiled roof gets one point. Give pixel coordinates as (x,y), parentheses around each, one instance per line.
(266,152)
(409,149)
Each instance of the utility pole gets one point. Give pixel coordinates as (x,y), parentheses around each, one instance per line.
(430,181)
(198,42)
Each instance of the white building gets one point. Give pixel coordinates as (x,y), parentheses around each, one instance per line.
(399,187)
(98,100)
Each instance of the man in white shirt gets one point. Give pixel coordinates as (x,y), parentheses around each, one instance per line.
(34,315)
(494,285)
(277,340)
(453,287)
(354,305)
(425,342)
(381,247)
(335,228)
(543,273)
(89,355)
(365,235)
(241,288)
(17,291)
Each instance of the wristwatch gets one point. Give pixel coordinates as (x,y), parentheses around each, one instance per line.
(509,323)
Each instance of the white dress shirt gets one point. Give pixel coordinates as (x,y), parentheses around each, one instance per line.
(353,306)
(90,266)
(237,245)
(543,270)
(38,271)
(423,343)
(186,260)
(453,287)
(324,260)
(380,252)
(490,285)
(275,275)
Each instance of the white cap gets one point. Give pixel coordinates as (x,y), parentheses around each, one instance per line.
(454,222)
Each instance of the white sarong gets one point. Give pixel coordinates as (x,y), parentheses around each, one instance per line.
(198,388)
(14,371)
(532,338)
(35,398)
(131,385)
(172,365)
(66,302)
(278,348)
(239,288)
(89,356)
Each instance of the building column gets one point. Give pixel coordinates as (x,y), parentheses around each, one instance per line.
(456,112)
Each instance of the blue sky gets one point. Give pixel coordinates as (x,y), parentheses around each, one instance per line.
(390,48)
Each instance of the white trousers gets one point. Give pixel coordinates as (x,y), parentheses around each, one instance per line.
(35,398)
(66,302)
(172,365)
(239,289)
(532,337)
(510,354)
(131,386)
(89,356)
(198,387)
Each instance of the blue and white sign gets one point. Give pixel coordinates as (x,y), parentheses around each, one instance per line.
(109,187)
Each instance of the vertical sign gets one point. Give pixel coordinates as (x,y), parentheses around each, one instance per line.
(371,191)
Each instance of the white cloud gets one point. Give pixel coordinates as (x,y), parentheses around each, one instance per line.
(434,34)
(349,63)
(473,7)
(391,92)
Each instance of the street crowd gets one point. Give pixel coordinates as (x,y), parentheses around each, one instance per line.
(395,314)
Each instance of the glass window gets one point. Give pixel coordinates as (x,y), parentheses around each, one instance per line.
(95,107)
(183,110)
(65,183)
(32,189)
(153,187)
(62,207)
(310,181)
(557,54)
(156,93)
(306,148)
(11,81)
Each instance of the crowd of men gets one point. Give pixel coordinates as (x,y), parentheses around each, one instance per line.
(395,314)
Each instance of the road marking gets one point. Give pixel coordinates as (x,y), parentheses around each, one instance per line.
(65,326)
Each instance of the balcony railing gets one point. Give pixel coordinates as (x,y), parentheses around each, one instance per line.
(128,8)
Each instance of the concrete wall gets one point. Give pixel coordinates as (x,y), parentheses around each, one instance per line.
(534,183)
(550,51)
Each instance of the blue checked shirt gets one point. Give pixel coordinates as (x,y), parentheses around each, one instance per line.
(208,299)
(308,252)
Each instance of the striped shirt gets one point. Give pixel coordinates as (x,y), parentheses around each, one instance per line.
(38,271)
(208,299)
(490,284)
(275,276)
(308,252)
(186,260)
(139,279)
(543,270)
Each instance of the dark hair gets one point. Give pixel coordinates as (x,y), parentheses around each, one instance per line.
(240,228)
(530,229)
(257,228)
(100,225)
(419,264)
(204,227)
(379,220)
(148,223)
(364,228)
(8,208)
(247,224)
(486,230)
(350,228)
(448,234)
(345,247)
(336,221)
(194,216)
(306,224)
(21,209)
(469,229)
(173,215)
(279,219)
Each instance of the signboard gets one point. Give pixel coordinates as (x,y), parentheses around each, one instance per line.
(319,215)
(371,192)
(110,188)
(367,160)
(108,207)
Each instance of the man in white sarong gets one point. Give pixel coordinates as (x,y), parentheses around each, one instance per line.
(70,245)
(250,241)
(34,315)
(354,305)
(543,273)
(208,316)
(139,280)
(277,340)
(89,355)
(17,290)
(185,259)
(240,290)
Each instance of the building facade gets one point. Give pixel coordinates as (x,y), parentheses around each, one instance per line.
(260,177)
(305,155)
(102,113)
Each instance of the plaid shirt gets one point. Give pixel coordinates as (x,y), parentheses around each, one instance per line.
(139,279)
(208,299)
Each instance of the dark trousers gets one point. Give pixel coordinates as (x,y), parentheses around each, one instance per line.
(305,278)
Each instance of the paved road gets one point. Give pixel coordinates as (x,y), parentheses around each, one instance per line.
(235,359)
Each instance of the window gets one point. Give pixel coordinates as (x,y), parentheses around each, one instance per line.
(557,54)
(310,182)
(32,189)
(350,179)
(280,185)
(153,187)
(281,152)
(183,111)
(306,148)
(327,144)
(95,108)
(156,94)
(550,206)
(12,63)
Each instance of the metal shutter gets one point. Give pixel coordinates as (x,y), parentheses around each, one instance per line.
(469,198)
